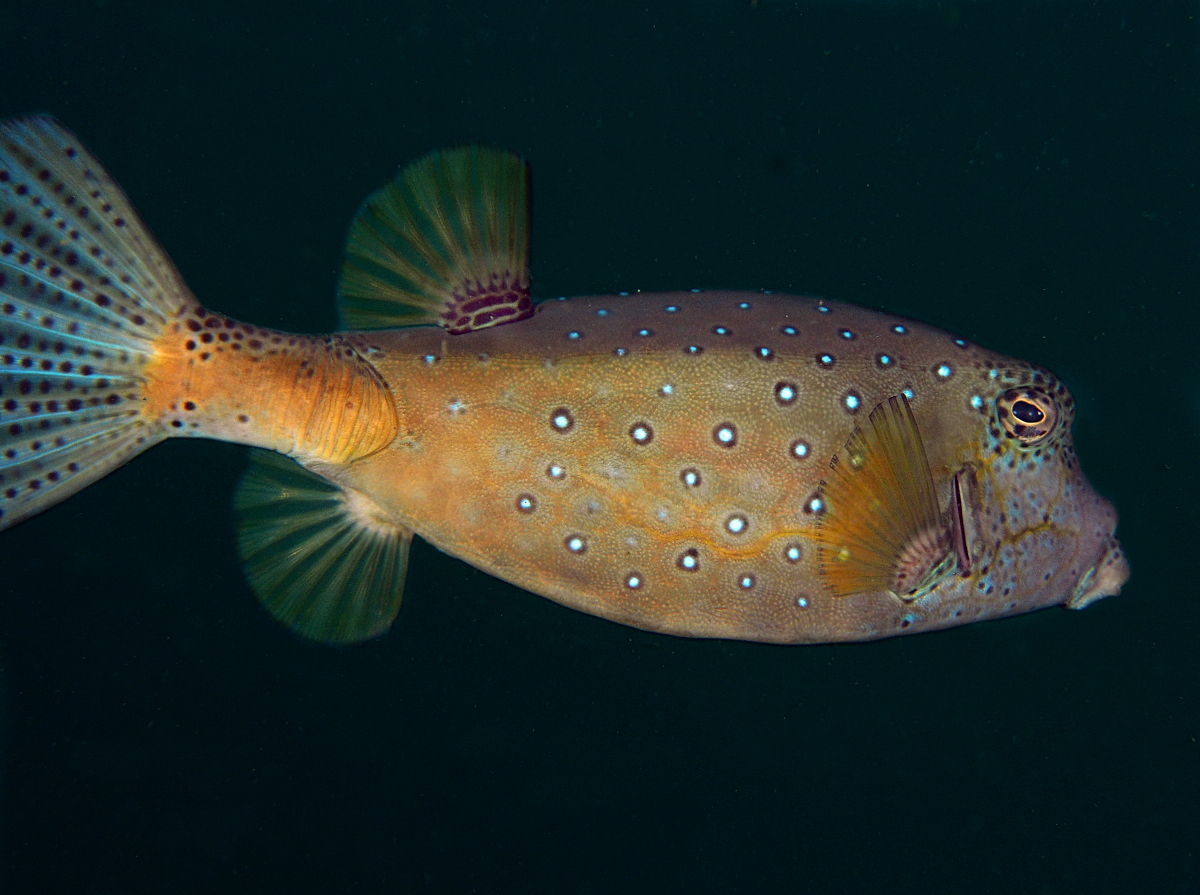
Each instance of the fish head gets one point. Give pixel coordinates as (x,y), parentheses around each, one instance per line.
(1033,530)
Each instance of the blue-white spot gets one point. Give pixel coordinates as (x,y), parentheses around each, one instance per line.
(943,371)
(645,332)
(961,343)
(802,602)
(800,449)
(555,471)
(576,544)
(725,435)
(620,352)
(622,293)
(846,334)
(788,330)
(575,334)
(666,389)
(736,524)
(633,581)
(792,554)
(852,401)
(602,312)
(430,358)
(908,393)
(824,309)
(746,582)
(815,505)
(745,305)
(720,330)
(885,360)
(671,309)
(899,329)
(977,402)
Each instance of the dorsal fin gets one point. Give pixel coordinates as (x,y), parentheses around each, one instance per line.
(881,529)
(324,560)
(446,242)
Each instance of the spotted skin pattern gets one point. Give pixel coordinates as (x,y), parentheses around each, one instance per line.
(658,460)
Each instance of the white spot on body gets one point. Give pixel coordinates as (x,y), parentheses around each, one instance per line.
(725,435)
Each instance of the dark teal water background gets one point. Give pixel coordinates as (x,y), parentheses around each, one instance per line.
(1025,174)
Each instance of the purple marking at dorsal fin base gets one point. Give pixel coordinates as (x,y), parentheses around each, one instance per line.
(475,306)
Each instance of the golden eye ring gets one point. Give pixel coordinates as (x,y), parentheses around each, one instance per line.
(1029,415)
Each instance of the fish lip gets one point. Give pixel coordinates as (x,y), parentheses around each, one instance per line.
(1104,579)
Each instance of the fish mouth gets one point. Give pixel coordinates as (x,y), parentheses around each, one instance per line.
(1104,579)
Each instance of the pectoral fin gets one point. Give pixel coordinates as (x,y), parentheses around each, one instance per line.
(324,560)
(882,529)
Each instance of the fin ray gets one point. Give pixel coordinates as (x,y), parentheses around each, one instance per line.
(322,560)
(446,242)
(84,293)
(882,529)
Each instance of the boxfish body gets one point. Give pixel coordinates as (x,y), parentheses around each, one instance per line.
(708,464)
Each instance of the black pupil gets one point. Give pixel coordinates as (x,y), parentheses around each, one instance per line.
(1027,412)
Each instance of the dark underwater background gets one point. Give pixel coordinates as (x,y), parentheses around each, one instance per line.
(1022,173)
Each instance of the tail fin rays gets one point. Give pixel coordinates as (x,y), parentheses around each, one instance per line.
(84,293)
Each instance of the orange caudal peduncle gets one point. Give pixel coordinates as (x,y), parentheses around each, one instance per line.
(313,397)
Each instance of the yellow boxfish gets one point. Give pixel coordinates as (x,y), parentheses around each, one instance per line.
(707,464)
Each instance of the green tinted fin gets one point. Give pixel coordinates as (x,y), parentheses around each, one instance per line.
(322,559)
(446,242)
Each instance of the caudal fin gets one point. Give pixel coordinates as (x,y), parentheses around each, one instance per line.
(84,292)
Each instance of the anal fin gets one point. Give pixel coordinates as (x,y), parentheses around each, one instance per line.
(324,560)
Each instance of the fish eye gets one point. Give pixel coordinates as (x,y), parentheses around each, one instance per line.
(1028,414)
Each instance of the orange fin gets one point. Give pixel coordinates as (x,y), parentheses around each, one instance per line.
(446,242)
(881,529)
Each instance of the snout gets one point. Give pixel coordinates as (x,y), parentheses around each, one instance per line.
(1105,577)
